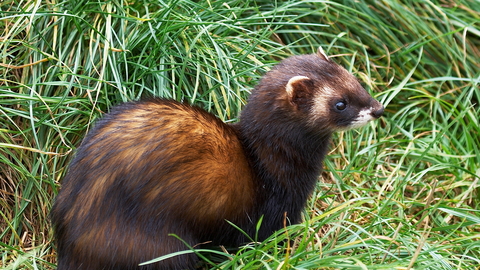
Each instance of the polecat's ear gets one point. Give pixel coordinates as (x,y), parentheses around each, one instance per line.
(298,90)
(321,53)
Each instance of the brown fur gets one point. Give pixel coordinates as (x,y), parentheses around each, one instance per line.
(158,167)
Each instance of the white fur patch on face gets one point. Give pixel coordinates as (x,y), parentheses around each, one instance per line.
(319,109)
(364,116)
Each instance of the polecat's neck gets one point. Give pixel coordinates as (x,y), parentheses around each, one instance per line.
(287,162)
(290,156)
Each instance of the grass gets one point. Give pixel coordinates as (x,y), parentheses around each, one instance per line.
(401,193)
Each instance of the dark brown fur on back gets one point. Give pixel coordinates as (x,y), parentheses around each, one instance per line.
(147,170)
(158,167)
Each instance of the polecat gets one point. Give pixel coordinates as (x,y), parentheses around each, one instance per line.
(157,167)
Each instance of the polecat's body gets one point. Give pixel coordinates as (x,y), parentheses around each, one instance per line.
(158,167)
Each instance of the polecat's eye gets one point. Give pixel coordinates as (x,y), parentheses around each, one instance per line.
(341,106)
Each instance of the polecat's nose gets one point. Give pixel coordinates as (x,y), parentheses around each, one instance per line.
(378,113)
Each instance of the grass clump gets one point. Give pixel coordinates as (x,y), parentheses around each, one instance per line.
(402,193)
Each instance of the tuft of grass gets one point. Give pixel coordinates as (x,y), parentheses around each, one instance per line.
(402,193)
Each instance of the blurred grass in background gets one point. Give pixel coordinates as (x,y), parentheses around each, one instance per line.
(401,193)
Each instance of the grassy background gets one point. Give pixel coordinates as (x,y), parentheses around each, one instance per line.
(403,192)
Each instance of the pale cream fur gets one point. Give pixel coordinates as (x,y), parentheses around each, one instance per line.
(321,52)
(289,87)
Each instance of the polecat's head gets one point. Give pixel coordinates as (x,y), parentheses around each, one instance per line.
(313,91)
(327,94)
